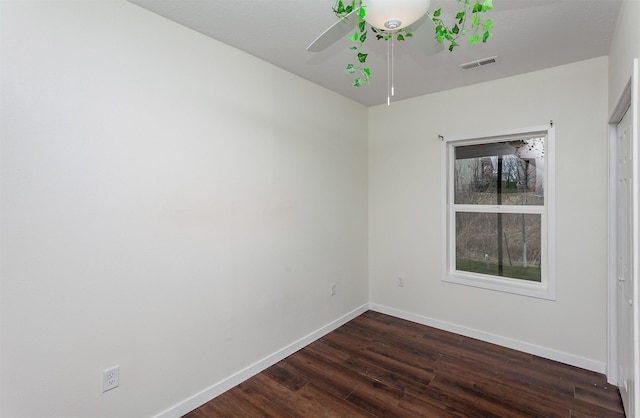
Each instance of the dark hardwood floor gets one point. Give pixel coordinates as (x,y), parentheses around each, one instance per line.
(380,366)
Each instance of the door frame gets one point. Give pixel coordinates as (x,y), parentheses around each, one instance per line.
(628,100)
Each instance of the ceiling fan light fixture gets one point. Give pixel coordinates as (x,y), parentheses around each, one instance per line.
(397,14)
(392,24)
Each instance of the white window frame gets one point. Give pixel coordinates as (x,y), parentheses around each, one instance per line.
(546,288)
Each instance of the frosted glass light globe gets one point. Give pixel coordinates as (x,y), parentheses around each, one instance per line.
(394,14)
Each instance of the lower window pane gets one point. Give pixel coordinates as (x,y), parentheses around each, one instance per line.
(499,244)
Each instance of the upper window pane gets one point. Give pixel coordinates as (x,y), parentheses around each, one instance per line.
(500,173)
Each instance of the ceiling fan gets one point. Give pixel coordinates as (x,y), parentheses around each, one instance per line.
(387,16)
(389,19)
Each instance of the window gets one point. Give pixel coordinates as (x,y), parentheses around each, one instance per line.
(499,212)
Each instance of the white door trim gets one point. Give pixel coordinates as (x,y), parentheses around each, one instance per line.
(628,100)
(623,104)
(635,109)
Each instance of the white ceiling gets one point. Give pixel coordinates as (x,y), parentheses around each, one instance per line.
(529,35)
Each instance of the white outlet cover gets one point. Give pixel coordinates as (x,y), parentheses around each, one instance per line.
(110,378)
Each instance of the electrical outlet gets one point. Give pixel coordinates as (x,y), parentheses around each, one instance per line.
(111,378)
(332,289)
(400,281)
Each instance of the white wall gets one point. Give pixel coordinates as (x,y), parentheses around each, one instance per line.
(625,46)
(405,207)
(169,204)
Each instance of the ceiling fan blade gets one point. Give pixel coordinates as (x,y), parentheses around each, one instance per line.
(424,35)
(335,32)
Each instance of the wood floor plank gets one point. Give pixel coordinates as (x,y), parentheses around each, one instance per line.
(375,406)
(406,382)
(285,377)
(357,381)
(514,376)
(332,405)
(523,373)
(338,355)
(379,366)
(254,404)
(469,400)
(298,365)
(426,363)
(604,395)
(563,371)
(282,398)
(224,406)
(428,406)
(306,402)
(584,407)
(398,374)
(529,400)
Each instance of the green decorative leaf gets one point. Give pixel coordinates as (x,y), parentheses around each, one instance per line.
(487,5)
(474,39)
(355,37)
(362,12)
(485,36)
(475,21)
(353,48)
(367,71)
(350,69)
(437,13)
(378,37)
(400,37)
(408,35)
(460,16)
(453,45)
(477,7)
(488,24)
(362,57)
(361,25)
(340,8)
(357,82)
(455,29)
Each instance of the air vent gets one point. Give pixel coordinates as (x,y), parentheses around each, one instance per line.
(478,63)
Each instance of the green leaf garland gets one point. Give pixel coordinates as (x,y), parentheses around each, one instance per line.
(480,30)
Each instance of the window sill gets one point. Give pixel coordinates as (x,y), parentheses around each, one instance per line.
(507,285)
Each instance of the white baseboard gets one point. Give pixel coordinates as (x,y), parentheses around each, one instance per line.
(537,350)
(222,386)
